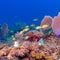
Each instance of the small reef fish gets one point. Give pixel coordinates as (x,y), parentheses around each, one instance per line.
(41,41)
(45,26)
(26,26)
(21,32)
(13,38)
(37,27)
(32,25)
(26,37)
(35,19)
(26,29)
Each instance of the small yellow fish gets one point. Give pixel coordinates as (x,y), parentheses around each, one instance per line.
(13,38)
(38,27)
(21,32)
(32,25)
(26,37)
(45,26)
(26,29)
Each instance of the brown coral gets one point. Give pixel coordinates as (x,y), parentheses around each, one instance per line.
(32,50)
(34,36)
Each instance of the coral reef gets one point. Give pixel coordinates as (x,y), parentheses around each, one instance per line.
(31,51)
(27,50)
(34,35)
(32,44)
(19,36)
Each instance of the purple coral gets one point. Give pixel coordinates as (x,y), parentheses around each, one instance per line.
(56,24)
(4,31)
(46,20)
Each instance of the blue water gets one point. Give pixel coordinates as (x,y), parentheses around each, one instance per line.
(12,11)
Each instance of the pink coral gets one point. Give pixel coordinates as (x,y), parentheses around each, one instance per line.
(19,36)
(56,25)
(46,20)
(34,35)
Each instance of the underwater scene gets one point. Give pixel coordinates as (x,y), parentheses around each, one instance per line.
(30,30)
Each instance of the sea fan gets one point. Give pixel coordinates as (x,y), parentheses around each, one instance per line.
(4,31)
(56,25)
(46,20)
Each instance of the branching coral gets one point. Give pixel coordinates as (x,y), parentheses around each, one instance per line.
(19,36)
(29,50)
(34,35)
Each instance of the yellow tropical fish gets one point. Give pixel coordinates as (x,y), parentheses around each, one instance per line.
(32,25)
(13,38)
(45,26)
(38,27)
(26,37)
(21,32)
(26,29)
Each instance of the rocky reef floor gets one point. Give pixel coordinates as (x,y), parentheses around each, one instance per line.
(30,50)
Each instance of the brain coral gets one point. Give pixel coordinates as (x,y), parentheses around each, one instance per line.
(46,20)
(56,24)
